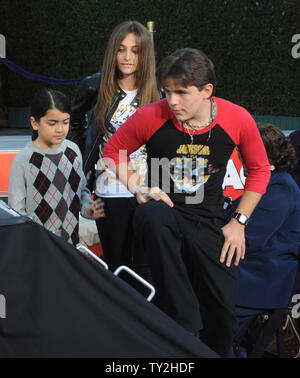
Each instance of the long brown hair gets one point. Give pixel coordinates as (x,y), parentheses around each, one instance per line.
(144,76)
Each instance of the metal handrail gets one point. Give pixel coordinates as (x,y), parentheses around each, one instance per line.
(138,278)
(82,248)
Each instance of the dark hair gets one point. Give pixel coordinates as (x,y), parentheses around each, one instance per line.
(278,147)
(44,100)
(188,67)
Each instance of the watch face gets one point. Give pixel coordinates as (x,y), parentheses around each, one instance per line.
(242,218)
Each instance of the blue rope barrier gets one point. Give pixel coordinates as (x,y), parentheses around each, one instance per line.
(30,75)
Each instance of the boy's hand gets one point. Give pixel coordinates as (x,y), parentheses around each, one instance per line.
(234,244)
(146,194)
(96,210)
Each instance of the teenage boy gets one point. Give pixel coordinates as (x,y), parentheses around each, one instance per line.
(190,135)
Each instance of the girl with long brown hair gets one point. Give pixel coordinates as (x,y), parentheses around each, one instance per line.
(126,82)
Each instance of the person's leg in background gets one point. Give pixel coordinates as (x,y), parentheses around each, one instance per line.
(115,231)
(244,316)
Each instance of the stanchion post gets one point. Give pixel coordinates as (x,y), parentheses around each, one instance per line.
(2,46)
(150,27)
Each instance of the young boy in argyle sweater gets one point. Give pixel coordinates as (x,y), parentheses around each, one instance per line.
(46,181)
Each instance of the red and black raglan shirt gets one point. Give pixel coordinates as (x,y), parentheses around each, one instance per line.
(192,173)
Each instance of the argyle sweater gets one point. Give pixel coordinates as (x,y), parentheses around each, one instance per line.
(49,187)
(192,170)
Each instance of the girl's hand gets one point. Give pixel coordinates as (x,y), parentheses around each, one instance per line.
(96,210)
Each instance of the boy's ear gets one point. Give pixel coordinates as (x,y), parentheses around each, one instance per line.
(208,90)
(34,123)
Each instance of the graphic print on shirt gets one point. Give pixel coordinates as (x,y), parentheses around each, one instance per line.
(192,169)
(190,173)
(122,113)
(106,179)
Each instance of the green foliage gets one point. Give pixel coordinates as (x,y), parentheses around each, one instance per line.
(249,41)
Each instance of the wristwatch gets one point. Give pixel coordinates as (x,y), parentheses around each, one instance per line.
(241,218)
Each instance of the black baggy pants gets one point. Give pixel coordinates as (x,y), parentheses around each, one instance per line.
(192,286)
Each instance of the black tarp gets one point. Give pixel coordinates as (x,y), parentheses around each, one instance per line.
(60,303)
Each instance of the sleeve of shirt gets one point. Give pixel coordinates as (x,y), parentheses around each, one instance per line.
(127,139)
(254,155)
(85,198)
(17,186)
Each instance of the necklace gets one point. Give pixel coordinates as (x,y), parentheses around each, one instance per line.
(191,135)
(213,113)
